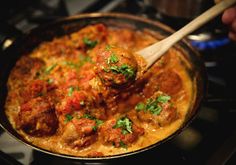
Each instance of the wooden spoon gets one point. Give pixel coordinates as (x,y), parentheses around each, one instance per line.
(156,50)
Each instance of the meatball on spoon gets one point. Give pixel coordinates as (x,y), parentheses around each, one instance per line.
(116,66)
(156,50)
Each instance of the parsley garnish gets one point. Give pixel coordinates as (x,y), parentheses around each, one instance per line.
(152,105)
(163,98)
(68,118)
(89,43)
(72,89)
(50,80)
(140,106)
(112,59)
(88,116)
(125,124)
(122,144)
(98,122)
(50,68)
(127,71)
(124,69)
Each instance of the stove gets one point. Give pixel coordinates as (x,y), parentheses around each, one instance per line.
(209,139)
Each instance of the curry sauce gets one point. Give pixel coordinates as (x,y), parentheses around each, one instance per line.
(85,94)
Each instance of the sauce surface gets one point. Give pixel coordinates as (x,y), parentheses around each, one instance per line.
(82,94)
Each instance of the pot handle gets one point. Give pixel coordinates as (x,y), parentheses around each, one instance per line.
(8,34)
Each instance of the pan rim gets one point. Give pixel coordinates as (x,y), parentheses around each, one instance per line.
(122,155)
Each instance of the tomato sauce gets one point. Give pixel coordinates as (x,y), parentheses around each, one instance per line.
(85,94)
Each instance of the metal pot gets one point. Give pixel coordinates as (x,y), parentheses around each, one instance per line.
(28,42)
(181,8)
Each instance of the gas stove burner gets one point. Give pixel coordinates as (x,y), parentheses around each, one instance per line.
(208,44)
(205,41)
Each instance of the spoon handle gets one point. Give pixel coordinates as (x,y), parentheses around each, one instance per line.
(156,50)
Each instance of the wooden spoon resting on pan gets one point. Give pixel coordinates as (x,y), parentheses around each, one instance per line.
(156,50)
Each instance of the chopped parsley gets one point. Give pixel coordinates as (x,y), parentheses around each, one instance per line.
(115,69)
(50,80)
(122,144)
(50,68)
(108,47)
(140,106)
(68,118)
(72,89)
(88,116)
(163,98)
(125,124)
(152,105)
(112,59)
(98,122)
(89,43)
(124,69)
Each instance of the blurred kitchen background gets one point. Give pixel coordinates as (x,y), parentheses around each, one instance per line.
(210,138)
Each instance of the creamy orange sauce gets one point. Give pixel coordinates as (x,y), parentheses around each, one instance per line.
(63,55)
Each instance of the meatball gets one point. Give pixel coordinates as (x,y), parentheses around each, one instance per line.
(26,69)
(89,36)
(124,38)
(37,117)
(120,132)
(116,66)
(34,89)
(158,110)
(167,81)
(79,133)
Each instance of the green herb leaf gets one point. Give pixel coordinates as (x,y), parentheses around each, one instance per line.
(88,116)
(115,69)
(112,59)
(127,71)
(89,43)
(124,123)
(50,68)
(50,80)
(140,106)
(122,144)
(98,122)
(105,69)
(95,128)
(124,69)
(163,98)
(68,118)
(153,105)
(72,89)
